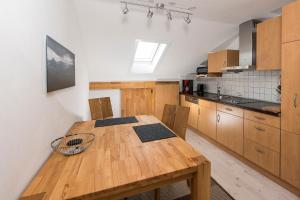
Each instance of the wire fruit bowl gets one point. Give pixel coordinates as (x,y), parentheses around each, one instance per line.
(73,144)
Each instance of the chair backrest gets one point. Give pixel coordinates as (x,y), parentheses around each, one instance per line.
(168,117)
(181,120)
(95,108)
(106,107)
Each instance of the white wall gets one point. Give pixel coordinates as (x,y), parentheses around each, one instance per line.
(30,118)
(109,39)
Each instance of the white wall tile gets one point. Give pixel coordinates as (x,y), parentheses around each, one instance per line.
(249,84)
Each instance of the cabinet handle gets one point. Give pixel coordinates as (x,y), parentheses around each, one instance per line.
(295,100)
(259,118)
(259,151)
(260,129)
(218,118)
(228,109)
(198,111)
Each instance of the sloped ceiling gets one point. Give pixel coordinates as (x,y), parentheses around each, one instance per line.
(109,36)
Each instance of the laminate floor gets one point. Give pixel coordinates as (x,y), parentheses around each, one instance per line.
(239,180)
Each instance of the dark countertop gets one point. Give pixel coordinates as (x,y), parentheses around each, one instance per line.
(244,103)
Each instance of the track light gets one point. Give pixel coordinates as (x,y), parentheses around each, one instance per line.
(187,19)
(125,10)
(169,15)
(150,13)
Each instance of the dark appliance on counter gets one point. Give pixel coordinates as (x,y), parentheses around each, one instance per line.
(200,88)
(187,86)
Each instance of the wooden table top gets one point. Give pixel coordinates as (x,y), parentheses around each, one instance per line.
(116,160)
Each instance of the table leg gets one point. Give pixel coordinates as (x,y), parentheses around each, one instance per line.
(157,194)
(201,185)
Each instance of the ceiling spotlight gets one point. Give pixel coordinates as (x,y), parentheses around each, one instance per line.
(125,10)
(150,13)
(187,19)
(169,15)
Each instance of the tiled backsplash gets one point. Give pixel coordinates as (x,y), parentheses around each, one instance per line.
(260,85)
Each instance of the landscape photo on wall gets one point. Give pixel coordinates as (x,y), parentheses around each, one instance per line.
(60,66)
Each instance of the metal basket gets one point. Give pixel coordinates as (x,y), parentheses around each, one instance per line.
(72,144)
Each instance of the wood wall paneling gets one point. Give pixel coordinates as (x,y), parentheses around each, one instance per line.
(165,93)
(137,102)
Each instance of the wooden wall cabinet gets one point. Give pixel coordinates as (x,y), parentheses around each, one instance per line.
(165,93)
(290,158)
(290,80)
(268,52)
(230,131)
(221,59)
(290,22)
(207,120)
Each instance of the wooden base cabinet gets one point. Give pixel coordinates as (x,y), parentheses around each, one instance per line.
(262,156)
(193,115)
(194,111)
(230,131)
(290,158)
(207,120)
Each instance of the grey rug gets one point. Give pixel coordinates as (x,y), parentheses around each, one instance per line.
(181,191)
(218,193)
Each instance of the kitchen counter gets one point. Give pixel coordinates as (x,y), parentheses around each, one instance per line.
(244,103)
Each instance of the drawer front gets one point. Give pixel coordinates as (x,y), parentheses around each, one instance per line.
(263,118)
(207,104)
(265,135)
(230,110)
(262,156)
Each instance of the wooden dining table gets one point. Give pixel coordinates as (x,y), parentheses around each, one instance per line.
(119,165)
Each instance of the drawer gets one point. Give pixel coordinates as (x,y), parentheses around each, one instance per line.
(230,110)
(263,118)
(207,104)
(265,135)
(262,156)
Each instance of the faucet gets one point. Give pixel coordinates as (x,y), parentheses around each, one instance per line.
(219,91)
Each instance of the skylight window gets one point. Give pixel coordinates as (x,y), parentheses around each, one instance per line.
(147,56)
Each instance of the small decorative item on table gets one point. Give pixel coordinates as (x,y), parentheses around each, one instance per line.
(73,144)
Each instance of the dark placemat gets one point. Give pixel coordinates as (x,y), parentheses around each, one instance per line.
(151,132)
(115,121)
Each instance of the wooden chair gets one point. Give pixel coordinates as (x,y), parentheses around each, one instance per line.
(181,121)
(168,117)
(106,107)
(95,108)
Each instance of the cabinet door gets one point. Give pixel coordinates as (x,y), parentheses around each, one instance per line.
(268,53)
(137,102)
(193,115)
(290,22)
(214,62)
(165,93)
(207,121)
(290,80)
(290,158)
(230,131)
